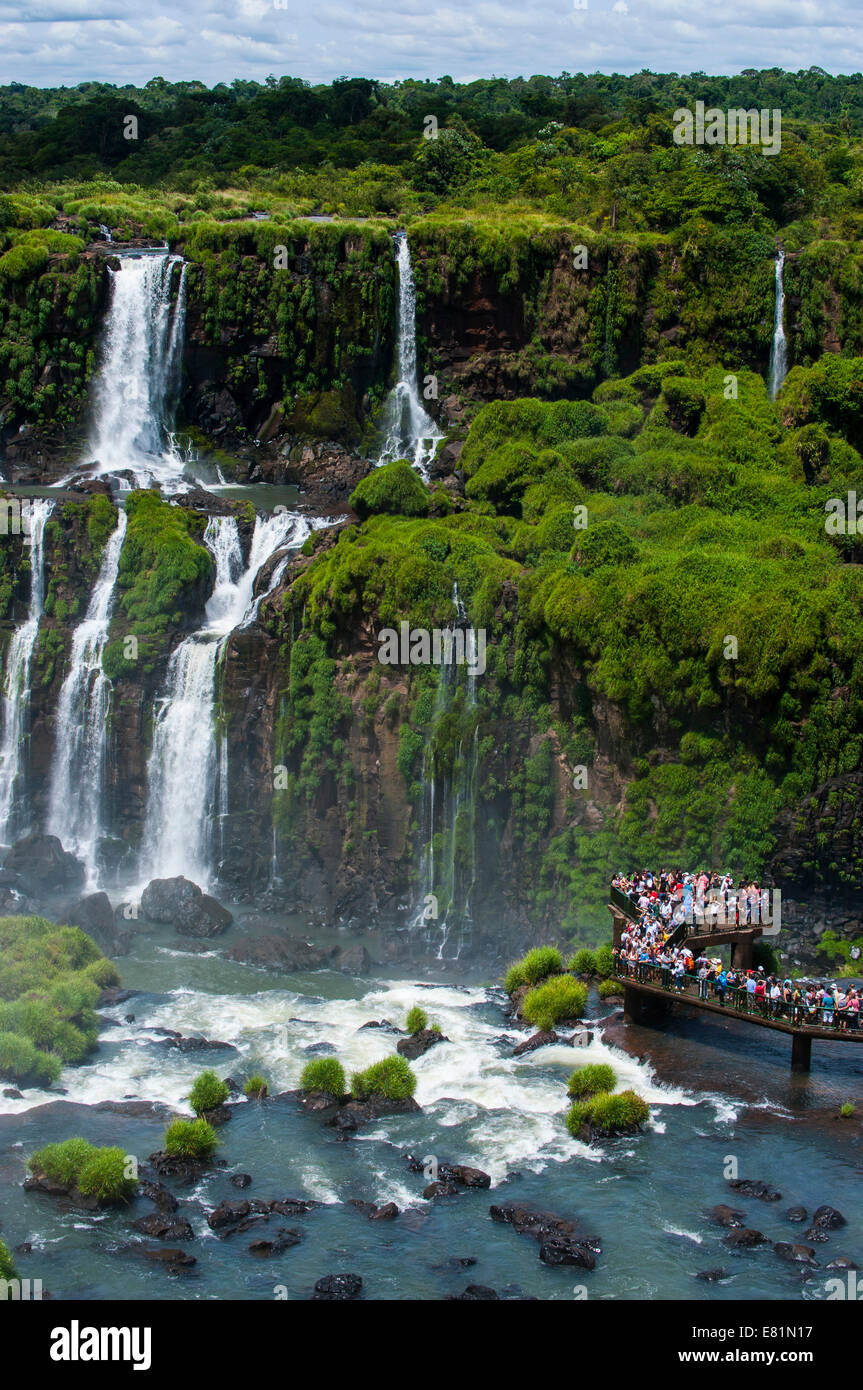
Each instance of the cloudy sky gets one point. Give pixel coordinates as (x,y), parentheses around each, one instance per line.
(54,42)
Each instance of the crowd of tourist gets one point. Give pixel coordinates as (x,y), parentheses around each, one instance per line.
(647,953)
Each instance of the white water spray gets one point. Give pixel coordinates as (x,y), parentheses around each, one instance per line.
(75,805)
(409,431)
(779,348)
(16,678)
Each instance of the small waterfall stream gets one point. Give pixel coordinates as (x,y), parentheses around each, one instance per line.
(75,804)
(188,766)
(779,348)
(16,680)
(408,430)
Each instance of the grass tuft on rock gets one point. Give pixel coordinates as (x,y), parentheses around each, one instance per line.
(391,1078)
(560,997)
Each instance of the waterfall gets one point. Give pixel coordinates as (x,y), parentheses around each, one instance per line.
(16,677)
(409,432)
(188,767)
(779,348)
(448,870)
(75,804)
(138,376)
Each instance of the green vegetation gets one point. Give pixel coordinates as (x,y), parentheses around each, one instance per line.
(191,1139)
(50,980)
(589,1080)
(324,1074)
(391,1078)
(536,966)
(95,1172)
(606,1114)
(417,1020)
(256,1088)
(208,1093)
(393,488)
(7,1264)
(559,998)
(847,1109)
(583,962)
(608,989)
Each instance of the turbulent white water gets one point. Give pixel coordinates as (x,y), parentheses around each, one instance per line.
(16,676)
(779,349)
(76,794)
(137,378)
(408,430)
(187,771)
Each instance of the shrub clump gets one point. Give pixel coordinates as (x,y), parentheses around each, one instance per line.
(607,988)
(95,1172)
(607,1115)
(191,1139)
(7,1264)
(416,1020)
(537,965)
(583,962)
(324,1074)
(605,961)
(391,1078)
(394,488)
(208,1093)
(590,1080)
(560,997)
(256,1086)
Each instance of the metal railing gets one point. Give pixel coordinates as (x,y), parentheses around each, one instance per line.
(740,1000)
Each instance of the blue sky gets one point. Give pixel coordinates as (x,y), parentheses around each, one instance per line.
(54,42)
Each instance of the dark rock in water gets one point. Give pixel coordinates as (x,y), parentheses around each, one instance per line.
(196,1044)
(156,1192)
(278,953)
(419,1043)
(43,865)
(743,1238)
(233,1086)
(560,1250)
(474,1293)
(581,1038)
(457,1262)
(25,1248)
(388,1212)
(458,1173)
(114,994)
(95,915)
(747,1188)
(338,1287)
(163,898)
(360,1112)
(711,1276)
(203,918)
(540,1039)
(725,1216)
(353,960)
(161,1226)
(241,1180)
(321,1049)
(796,1254)
(365,1208)
(136,1109)
(828,1218)
(219,1116)
(10,1093)
(228,1213)
(292,1206)
(440,1189)
(841,1262)
(171,1259)
(796,1214)
(128,1018)
(283,1241)
(819,1235)
(539,1225)
(185,1171)
(384,1024)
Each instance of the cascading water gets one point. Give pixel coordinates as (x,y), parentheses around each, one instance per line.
(449,806)
(138,376)
(779,348)
(188,767)
(16,678)
(75,805)
(409,431)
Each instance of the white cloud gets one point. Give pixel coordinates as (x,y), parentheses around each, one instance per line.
(48,42)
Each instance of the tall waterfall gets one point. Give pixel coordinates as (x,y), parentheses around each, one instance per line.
(779,348)
(16,678)
(448,819)
(75,805)
(409,432)
(188,767)
(138,376)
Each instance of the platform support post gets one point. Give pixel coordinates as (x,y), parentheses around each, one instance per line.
(801,1052)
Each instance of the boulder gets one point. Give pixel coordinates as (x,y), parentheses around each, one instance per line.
(95,915)
(796,1214)
(795,1254)
(338,1287)
(159,1194)
(388,1212)
(474,1293)
(458,1173)
(711,1276)
(241,1180)
(229,1212)
(43,865)
(440,1189)
(277,953)
(725,1216)
(171,1259)
(352,960)
(417,1044)
(841,1262)
(747,1188)
(562,1250)
(743,1238)
(359,1112)
(181,903)
(384,1025)
(282,1241)
(203,918)
(162,1226)
(540,1039)
(828,1218)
